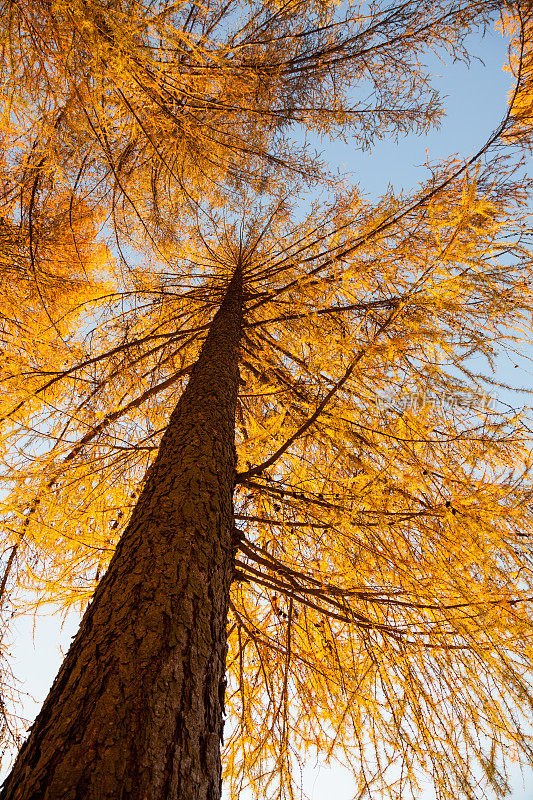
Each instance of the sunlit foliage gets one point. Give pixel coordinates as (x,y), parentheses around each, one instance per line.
(381,610)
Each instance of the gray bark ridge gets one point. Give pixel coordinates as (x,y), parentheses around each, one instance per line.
(136,711)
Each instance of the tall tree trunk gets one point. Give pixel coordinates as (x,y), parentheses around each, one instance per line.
(136,710)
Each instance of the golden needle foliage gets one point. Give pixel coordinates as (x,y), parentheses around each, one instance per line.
(382,608)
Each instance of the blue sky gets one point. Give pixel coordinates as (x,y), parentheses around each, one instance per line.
(475,105)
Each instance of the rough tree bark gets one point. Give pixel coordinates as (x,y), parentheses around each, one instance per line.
(136,710)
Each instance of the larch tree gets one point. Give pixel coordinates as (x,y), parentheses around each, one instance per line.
(221,455)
